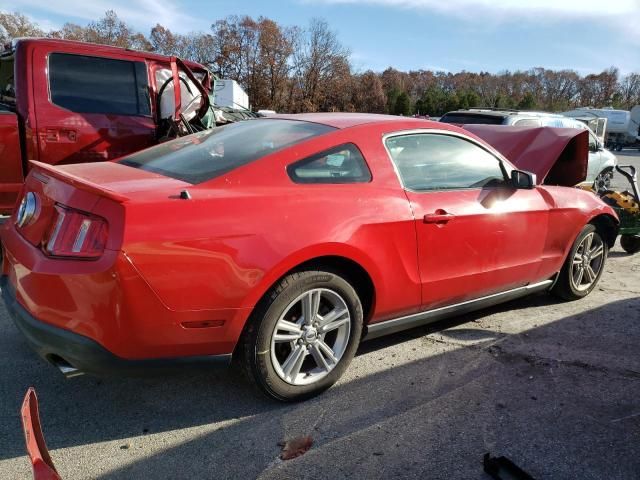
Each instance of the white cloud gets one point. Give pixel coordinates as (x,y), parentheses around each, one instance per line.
(511,7)
(142,14)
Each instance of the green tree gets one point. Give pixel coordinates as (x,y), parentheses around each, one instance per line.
(528,102)
(392,98)
(403,105)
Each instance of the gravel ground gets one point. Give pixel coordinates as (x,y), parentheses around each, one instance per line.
(554,386)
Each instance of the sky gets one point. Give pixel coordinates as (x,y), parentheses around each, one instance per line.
(451,35)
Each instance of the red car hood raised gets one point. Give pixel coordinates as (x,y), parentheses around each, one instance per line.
(557,156)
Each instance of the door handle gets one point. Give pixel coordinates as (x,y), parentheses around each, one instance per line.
(438,217)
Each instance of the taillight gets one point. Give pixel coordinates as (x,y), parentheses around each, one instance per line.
(76,234)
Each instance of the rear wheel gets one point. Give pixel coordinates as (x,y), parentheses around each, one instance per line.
(630,243)
(584,265)
(303,335)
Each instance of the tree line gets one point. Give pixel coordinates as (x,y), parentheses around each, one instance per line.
(307,69)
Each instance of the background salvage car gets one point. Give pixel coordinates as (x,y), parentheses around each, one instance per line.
(284,241)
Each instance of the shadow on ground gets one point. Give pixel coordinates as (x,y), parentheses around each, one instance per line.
(561,400)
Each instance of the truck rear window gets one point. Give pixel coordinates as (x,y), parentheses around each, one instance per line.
(87,84)
(206,155)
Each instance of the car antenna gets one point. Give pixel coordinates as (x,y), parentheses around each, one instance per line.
(185,195)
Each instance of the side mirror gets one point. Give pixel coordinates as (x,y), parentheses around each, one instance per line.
(522,179)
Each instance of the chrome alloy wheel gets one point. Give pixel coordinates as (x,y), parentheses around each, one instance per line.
(588,260)
(310,337)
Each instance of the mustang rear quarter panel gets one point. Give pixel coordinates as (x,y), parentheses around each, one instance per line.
(241,232)
(110,303)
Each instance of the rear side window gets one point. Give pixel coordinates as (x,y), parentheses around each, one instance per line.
(206,155)
(343,164)
(86,84)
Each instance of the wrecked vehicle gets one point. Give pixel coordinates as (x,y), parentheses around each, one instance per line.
(284,241)
(601,163)
(65,102)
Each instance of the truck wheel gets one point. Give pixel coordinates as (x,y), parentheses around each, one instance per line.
(630,243)
(583,267)
(303,335)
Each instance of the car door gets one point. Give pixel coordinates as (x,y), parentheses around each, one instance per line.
(477,235)
(90,108)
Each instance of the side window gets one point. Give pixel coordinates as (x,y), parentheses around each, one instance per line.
(593,142)
(528,122)
(343,164)
(98,85)
(428,162)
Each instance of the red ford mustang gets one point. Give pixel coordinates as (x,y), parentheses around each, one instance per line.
(285,241)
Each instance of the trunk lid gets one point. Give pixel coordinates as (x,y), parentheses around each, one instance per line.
(98,189)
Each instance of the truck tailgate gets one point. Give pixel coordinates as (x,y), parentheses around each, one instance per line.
(11,176)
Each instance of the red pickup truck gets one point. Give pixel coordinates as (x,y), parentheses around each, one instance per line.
(68,102)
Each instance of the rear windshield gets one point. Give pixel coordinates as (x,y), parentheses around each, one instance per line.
(203,156)
(471,118)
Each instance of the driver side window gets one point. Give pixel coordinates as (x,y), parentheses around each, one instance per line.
(427,162)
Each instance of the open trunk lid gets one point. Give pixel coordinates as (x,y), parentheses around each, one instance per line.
(557,156)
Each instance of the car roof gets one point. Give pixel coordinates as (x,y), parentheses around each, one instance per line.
(88,47)
(346,120)
(503,113)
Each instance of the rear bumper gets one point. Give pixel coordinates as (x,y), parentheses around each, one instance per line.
(60,346)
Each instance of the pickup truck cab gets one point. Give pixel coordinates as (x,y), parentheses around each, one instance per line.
(67,102)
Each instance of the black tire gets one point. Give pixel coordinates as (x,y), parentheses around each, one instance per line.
(630,243)
(256,341)
(565,287)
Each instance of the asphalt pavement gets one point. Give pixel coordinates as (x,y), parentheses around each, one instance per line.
(554,386)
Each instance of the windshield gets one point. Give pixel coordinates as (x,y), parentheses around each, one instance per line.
(469,118)
(206,155)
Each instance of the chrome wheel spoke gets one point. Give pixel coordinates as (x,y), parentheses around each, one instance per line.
(335,324)
(293,363)
(586,246)
(319,358)
(310,306)
(591,275)
(288,326)
(336,314)
(327,351)
(580,274)
(597,251)
(577,259)
(285,337)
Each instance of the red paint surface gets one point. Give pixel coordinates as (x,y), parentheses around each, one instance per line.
(171,262)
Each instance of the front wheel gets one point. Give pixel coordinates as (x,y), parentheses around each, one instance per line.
(602,183)
(583,267)
(630,243)
(303,335)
